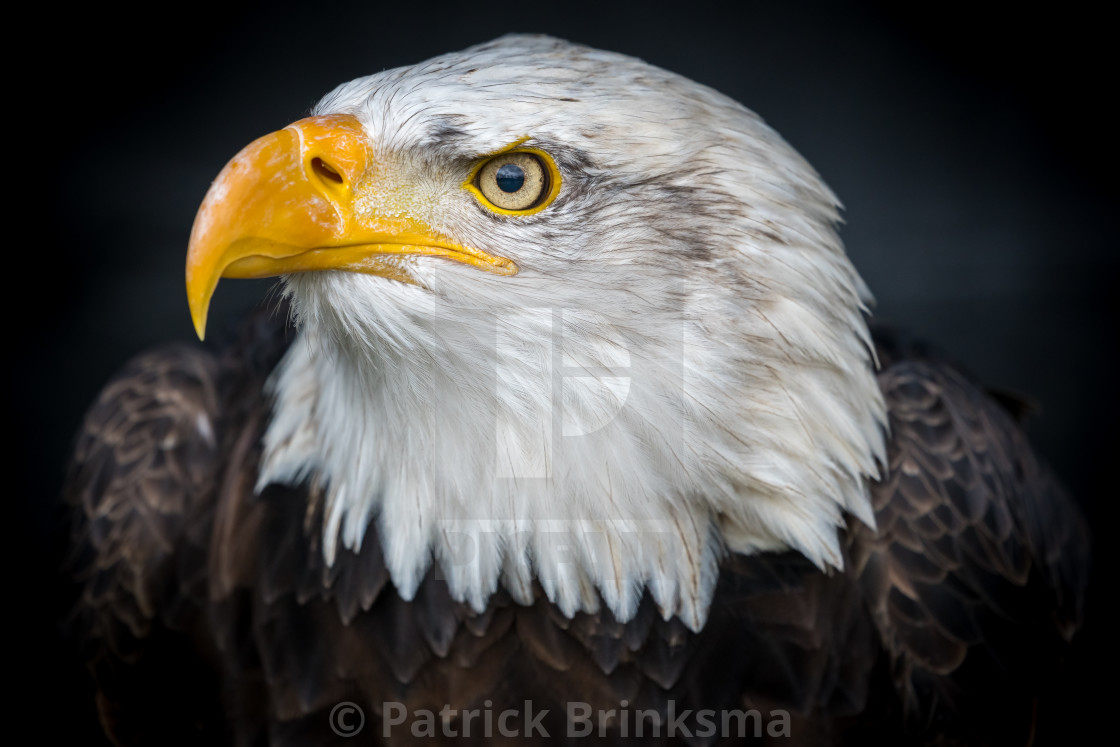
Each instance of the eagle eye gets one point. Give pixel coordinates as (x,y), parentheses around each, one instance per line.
(517,181)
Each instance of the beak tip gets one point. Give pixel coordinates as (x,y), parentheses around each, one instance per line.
(200,289)
(200,327)
(198,314)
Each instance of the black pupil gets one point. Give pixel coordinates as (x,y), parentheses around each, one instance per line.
(510,177)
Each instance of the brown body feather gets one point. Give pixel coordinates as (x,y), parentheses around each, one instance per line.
(209,616)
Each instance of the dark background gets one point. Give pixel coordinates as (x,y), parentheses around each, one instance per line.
(974,151)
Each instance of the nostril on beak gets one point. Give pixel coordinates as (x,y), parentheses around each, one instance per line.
(325,171)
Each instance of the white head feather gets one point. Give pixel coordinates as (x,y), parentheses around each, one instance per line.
(680,369)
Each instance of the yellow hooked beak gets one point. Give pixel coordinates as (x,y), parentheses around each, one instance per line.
(285,204)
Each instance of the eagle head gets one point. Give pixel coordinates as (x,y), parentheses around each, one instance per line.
(569,324)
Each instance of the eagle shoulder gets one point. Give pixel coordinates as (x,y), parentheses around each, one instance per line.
(148,484)
(144,459)
(977,570)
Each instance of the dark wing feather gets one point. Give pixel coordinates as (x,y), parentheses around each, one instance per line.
(143,464)
(160,530)
(977,570)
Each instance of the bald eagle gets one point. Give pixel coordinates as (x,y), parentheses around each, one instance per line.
(569,421)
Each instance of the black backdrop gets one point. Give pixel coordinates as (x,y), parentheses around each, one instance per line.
(972,149)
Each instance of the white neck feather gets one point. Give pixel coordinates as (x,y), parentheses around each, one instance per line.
(554,445)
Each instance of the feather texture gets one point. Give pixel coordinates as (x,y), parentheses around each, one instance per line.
(977,561)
